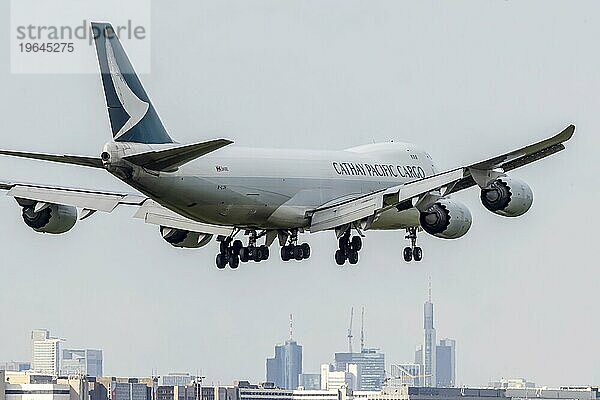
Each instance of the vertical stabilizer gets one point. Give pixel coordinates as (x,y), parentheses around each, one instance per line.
(131,113)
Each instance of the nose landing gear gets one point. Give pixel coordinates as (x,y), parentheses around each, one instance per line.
(413,252)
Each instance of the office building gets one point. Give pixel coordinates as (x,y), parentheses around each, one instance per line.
(446,363)
(176,379)
(45,352)
(128,391)
(371,367)
(284,369)
(246,391)
(81,362)
(309,381)
(405,374)
(512,383)
(333,379)
(15,366)
(28,389)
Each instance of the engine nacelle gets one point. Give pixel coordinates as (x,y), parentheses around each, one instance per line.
(506,196)
(185,239)
(53,218)
(446,219)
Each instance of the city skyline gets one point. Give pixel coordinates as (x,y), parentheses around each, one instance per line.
(462,80)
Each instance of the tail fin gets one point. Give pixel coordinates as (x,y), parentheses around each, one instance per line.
(132,115)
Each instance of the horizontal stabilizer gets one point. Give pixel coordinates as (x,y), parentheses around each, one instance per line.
(172,158)
(93,162)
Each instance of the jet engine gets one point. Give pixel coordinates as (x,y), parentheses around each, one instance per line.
(508,197)
(49,218)
(446,219)
(185,239)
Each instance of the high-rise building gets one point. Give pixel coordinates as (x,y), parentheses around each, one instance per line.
(371,367)
(283,369)
(45,352)
(428,351)
(446,363)
(81,362)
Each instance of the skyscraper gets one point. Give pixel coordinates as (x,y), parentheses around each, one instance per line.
(429,345)
(371,367)
(445,363)
(81,362)
(45,352)
(283,369)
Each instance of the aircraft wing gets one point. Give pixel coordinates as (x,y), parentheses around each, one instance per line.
(91,201)
(426,191)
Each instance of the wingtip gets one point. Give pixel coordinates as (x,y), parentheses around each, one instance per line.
(569,131)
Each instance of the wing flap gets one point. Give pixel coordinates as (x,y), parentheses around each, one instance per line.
(155,214)
(172,158)
(354,210)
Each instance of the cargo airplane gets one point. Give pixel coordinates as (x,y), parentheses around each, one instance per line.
(248,198)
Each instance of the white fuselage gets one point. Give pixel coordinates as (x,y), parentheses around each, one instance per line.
(272,188)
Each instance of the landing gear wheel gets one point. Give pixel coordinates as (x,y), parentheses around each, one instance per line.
(244,256)
(258,254)
(305,250)
(408,254)
(265,252)
(417,253)
(224,246)
(237,246)
(340,257)
(356,243)
(353,256)
(298,253)
(285,253)
(221,261)
(234,261)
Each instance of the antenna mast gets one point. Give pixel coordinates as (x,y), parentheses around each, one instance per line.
(362,330)
(291,326)
(350,330)
(430,288)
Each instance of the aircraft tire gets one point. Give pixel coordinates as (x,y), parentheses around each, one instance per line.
(244,257)
(237,246)
(221,261)
(265,252)
(417,254)
(408,254)
(356,243)
(234,261)
(298,253)
(305,250)
(353,257)
(340,257)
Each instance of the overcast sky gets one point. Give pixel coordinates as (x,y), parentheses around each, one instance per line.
(464,79)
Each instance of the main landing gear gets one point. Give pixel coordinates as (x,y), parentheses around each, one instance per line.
(348,249)
(413,252)
(233,251)
(293,250)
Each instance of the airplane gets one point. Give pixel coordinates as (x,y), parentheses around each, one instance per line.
(194,192)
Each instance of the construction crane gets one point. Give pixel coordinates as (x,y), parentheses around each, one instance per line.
(350,330)
(362,330)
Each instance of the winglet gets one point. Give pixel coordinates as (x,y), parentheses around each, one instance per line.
(170,159)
